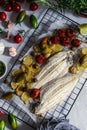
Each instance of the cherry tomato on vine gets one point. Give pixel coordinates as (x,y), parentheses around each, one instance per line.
(8,7)
(33,6)
(17,7)
(18,38)
(3,16)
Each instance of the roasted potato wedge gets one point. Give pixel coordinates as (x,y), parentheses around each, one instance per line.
(16,72)
(14,85)
(25,97)
(37,48)
(19,91)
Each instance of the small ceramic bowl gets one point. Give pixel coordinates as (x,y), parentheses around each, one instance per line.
(3,69)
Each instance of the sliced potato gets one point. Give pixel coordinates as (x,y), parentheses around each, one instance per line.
(16,72)
(83,51)
(29,85)
(35,70)
(79,67)
(55,48)
(25,97)
(27,60)
(37,48)
(14,85)
(83,61)
(47,52)
(28,74)
(23,68)
(19,91)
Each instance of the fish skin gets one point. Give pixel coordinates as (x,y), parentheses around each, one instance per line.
(58,95)
(52,74)
(52,62)
(55,66)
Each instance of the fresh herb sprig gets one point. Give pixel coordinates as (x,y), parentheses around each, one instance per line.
(72,5)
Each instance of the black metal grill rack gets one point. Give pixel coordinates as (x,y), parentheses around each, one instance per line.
(59,110)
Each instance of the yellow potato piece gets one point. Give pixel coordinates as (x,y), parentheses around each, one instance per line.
(29,85)
(23,68)
(25,97)
(17,72)
(56,48)
(36,70)
(83,61)
(28,74)
(79,67)
(27,60)
(13,85)
(83,51)
(19,91)
(37,48)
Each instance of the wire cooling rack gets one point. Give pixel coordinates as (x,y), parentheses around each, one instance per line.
(63,108)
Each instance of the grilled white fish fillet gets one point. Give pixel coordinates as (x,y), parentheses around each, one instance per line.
(52,74)
(52,62)
(57,92)
(53,69)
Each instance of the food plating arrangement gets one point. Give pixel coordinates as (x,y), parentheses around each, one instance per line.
(48,74)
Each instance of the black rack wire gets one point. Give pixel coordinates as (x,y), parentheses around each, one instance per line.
(63,108)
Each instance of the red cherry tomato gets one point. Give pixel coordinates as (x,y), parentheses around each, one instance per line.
(17,39)
(35,93)
(61,32)
(3,16)
(8,7)
(17,7)
(65,41)
(33,6)
(70,33)
(75,43)
(55,39)
(40,59)
(1,113)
